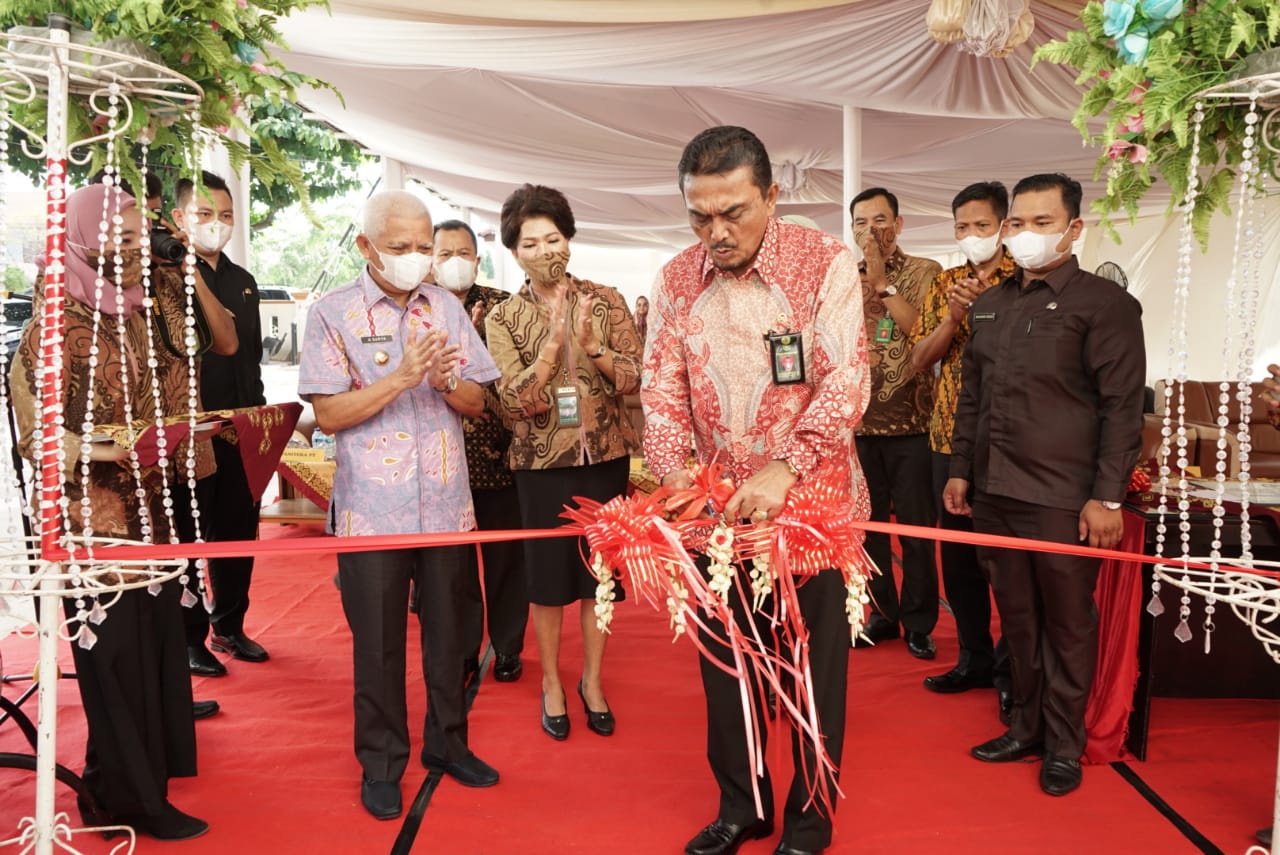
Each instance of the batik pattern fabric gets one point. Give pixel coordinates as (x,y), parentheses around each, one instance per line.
(517,330)
(487,438)
(946,390)
(403,470)
(708,379)
(901,399)
(118,360)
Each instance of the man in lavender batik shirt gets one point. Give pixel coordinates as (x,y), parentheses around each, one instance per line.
(390,366)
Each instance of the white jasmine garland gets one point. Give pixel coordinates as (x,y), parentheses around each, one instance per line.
(604,592)
(720,551)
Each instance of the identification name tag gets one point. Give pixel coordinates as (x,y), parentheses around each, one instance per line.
(567,406)
(786,357)
(884,331)
(374,339)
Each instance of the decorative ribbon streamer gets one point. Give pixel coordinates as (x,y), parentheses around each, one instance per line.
(369,543)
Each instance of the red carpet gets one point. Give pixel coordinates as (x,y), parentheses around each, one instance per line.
(277,774)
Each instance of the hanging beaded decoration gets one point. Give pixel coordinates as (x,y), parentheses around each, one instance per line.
(1254,598)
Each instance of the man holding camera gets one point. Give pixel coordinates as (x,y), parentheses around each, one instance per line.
(206,215)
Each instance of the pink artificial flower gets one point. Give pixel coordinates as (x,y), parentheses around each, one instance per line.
(1134,124)
(243,4)
(1139,92)
(1132,152)
(1118,149)
(186,57)
(1104,73)
(215,26)
(259,68)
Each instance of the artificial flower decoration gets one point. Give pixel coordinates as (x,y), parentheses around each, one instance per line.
(1142,64)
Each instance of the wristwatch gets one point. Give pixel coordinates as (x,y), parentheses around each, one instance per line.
(891,291)
(450,386)
(1111,506)
(598,353)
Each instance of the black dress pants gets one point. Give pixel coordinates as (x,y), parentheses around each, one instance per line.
(375,599)
(967,589)
(228,511)
(822,600)
(899,477)
(1048,617)
(504,603)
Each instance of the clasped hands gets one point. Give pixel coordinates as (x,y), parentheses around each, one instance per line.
(760,498)
(428,357)
(962,294)
(584,333)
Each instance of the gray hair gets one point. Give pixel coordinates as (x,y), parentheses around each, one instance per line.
(386,204)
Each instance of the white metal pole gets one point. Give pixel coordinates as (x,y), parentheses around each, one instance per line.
(51,401)
(852,118)
(392,174)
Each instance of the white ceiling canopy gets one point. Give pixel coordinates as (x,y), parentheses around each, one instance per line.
(602,110)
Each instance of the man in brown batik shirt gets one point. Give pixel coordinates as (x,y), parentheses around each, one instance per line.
(893,440)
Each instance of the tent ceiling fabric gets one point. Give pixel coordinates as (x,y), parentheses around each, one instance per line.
(602,112)
(577,11)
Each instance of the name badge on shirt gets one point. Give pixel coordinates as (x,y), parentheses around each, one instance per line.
(786,355)
(983,316)
(374,339)
(567,406)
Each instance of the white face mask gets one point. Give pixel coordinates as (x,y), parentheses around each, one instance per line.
(979,249)
(403,272)
(456,273)
(210,237)
(1035,251)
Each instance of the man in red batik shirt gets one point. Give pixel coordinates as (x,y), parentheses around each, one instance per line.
(712,371)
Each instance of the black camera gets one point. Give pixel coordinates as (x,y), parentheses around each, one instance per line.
(164,245)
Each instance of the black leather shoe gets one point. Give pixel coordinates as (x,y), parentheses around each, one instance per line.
(204,709)
(380,798)
(470,668)
(784,849)
(169,824)
(724,838)
(1005,749)
(1005,698)
(507,669)
(1264,837)
(556,726)
(877,629)
(958,680)
(240,646)
(920,645)
(203,663)
(470,771)
(597,722)
(1059,775)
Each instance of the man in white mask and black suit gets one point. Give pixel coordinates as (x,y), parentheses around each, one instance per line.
(487,439)
(1048,429)
(229,510)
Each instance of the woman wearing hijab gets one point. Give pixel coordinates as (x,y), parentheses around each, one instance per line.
(568,352)
(134,683)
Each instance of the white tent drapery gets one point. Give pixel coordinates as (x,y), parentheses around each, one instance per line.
(589,98)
